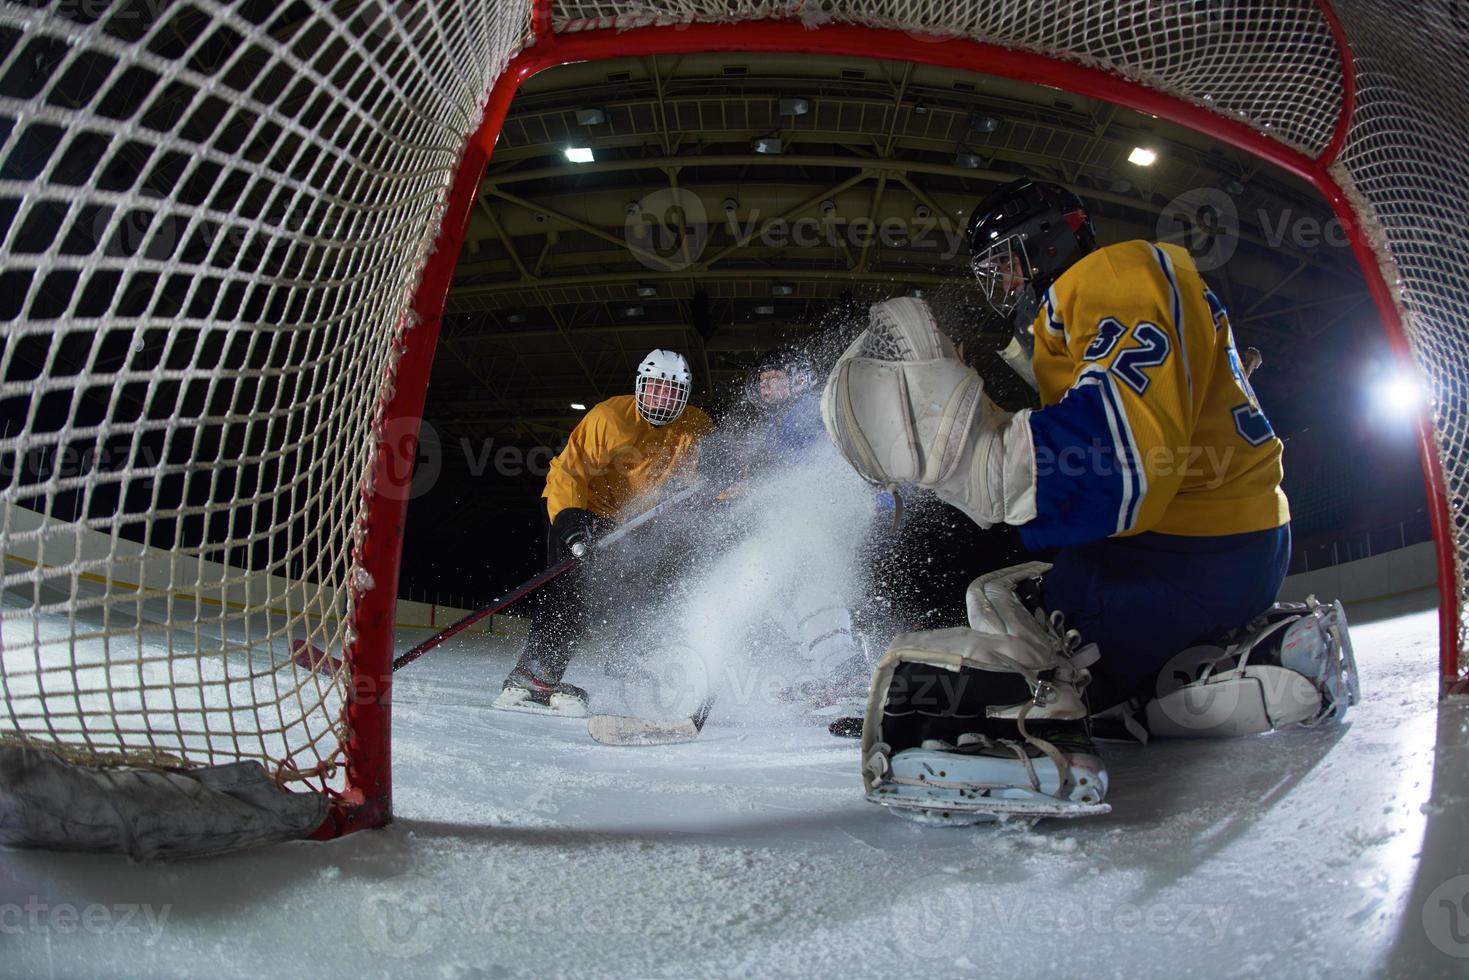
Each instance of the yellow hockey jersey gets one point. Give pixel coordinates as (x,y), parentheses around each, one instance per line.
(613,456)
(1148,422)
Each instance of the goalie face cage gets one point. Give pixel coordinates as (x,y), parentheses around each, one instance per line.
(229,231)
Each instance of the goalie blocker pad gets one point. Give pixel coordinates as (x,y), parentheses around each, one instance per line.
(1292,666)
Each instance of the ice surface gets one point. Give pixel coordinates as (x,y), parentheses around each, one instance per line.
(523,849)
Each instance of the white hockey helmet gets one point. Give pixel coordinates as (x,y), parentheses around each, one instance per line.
(662,386)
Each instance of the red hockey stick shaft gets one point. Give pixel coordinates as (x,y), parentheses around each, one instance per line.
(519,592)
(530,585)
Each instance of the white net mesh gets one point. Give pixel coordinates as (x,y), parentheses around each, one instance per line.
(213,218)
(1272,64)
(1406,160)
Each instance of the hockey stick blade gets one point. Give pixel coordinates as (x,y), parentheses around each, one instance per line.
(627,730)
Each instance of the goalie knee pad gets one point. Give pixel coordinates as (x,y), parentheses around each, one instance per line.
(964,726)
(902,408)
(1292,666)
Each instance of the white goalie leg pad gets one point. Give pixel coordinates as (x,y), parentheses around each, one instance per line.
(903,409)
(1293,666)
(979,776)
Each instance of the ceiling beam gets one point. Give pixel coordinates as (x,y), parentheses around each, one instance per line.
(465,293)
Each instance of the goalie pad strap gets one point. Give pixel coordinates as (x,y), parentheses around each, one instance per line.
(1056,681)
(1255,699)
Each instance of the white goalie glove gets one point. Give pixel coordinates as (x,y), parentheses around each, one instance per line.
(902,408)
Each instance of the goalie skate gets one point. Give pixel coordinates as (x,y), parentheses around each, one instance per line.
(1292,666)
(984,780)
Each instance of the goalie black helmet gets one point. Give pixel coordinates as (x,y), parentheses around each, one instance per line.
(1021,238)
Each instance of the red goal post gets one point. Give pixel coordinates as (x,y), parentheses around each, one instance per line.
(1334,94)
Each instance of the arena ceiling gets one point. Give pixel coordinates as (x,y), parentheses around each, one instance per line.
(568,274)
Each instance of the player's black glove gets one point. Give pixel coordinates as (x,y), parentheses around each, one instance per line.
(576,529)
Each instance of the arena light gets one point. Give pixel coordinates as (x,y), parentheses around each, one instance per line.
(580,154)
(1399,394)
(578,406)
(1142,156)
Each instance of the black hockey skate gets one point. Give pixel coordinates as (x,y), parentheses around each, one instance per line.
(524,691)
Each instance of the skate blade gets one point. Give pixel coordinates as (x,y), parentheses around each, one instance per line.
(517,701)
(1339,628)
(941,811)
(627,730)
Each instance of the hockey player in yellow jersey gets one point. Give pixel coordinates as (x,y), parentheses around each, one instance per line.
(1149,466)
(624,448)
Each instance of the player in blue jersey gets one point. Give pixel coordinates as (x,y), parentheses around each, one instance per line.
(833,666)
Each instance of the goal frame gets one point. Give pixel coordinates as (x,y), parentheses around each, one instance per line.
(366,799)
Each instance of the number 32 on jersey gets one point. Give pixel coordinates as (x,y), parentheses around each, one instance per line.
(1151,348)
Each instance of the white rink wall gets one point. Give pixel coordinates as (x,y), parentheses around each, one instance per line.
(1392,573)
(126,567)
(117,566)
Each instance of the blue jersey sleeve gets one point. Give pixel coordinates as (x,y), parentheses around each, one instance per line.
(795,430)
(1089,481)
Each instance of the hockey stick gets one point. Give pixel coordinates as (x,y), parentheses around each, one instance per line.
(314,658)
(629,730)
(555,571)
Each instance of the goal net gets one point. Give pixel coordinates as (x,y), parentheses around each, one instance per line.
(227,231)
